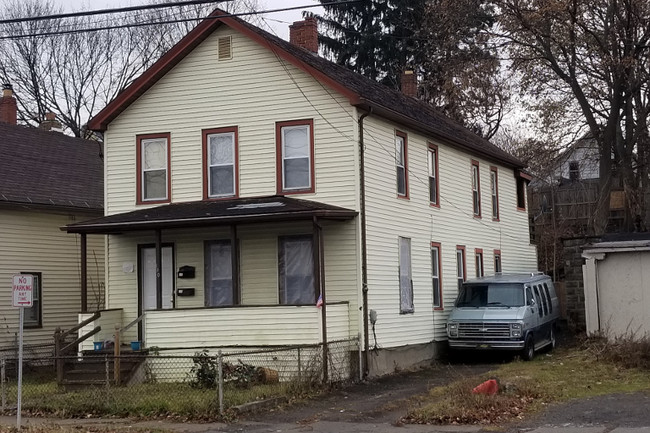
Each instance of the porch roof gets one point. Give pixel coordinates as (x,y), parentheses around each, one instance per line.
(210,213)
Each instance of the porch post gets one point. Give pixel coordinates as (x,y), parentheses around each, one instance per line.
(84,273)
(319,283)
(234,260)
(159,269)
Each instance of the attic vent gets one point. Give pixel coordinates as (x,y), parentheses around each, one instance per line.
(224,48)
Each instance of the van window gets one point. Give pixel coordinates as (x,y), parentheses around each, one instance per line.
(539,300)
(490,295)
(529,295)
(550,301)
(544,300)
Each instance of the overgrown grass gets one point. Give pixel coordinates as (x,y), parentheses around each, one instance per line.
(525,387)
(178,400)
(51,428)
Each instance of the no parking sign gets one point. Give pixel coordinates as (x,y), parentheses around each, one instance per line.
(23,288)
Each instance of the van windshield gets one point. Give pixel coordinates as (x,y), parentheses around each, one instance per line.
(491,295)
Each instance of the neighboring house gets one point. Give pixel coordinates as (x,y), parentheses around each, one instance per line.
(617,286)
(246,177)
(47,180)
(580,161)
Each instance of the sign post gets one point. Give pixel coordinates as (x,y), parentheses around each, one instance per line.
(22,289)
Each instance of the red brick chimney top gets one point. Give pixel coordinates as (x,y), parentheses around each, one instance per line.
(409,83)
(305,34)
(8,105)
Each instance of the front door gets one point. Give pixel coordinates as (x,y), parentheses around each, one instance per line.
(148,295)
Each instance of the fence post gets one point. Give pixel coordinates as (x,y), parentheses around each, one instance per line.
(3,379)
(57,355)
(116,362)
(107,367)
(220,386)
(360,357)
(299,367)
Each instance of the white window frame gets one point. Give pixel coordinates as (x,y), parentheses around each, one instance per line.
(478,256)
(460,266)
(231,164)
(494,181)
(476,190)
(401,163)
(436,282)
(143,170)
(283,130)
(433,175)
(405,276)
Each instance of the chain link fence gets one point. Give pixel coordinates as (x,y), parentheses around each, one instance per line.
(190,382)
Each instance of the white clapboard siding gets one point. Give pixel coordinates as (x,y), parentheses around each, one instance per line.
(258,265)
(242,326)
(31,241)
(252,91)
(452,224)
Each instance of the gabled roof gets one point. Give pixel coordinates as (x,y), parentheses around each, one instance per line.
(212,213)
(361,91)
(49,169)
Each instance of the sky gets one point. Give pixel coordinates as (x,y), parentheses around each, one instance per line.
(279,21)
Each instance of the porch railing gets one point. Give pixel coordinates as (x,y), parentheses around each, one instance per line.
(61,349)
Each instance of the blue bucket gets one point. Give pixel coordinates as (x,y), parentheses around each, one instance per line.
(98,345)
(135,346)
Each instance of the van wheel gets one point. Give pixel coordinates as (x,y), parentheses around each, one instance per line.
(552,339)
(529,349)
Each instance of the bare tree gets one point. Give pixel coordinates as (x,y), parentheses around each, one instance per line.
(60,66)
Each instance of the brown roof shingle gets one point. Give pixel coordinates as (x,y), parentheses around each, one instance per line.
(361,91)
(46,168)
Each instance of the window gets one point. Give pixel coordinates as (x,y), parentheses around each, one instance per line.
(401,163)
(548,296)
(538,299)
(434,197)
(405,281)
(476,189)
(33,316)
(153,168)
(436,265)
(574,170)
(544,301)
(296,265)
(478,254)
(219,289)
(494,185)
(461,274)
(497,262)
(220,162)
(295,156)
(522,178)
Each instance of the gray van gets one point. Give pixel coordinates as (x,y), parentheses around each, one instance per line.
(517,312)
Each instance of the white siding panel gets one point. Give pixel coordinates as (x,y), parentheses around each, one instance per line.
(32,242)
(452,224)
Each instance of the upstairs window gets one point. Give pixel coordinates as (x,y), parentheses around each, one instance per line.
(521,178)
(401,163)
(153,166)
(434,197)
(476,189)
(295,156)
(494,184)
(220,162)
(574,170)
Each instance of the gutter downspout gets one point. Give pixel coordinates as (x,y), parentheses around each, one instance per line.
(364,249)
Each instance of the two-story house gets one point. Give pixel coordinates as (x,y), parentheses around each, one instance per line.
(47,180)
(248,179)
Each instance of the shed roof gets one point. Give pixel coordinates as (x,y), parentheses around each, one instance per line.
(48,168)
(361,91)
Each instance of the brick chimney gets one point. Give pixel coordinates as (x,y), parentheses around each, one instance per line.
(8,105)
(50,123)
(409,83)
(305,34)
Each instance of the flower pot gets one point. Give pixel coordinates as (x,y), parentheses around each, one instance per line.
(98,345)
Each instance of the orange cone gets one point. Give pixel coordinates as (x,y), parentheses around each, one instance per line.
(489,387)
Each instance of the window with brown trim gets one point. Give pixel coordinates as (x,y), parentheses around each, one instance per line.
(497,262)
(153,161)
(494,187)
(461,273)
(401,163)
(478,255)
(436,278)
(295,156)
(476,189)
(434,194)
(220,162)
(296,270)
(405,276)
(521,193)
(219,287)
(33,316)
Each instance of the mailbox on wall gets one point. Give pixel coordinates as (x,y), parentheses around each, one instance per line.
(185,291)
(186,272)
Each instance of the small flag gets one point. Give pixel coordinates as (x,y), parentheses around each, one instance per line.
(319,303)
